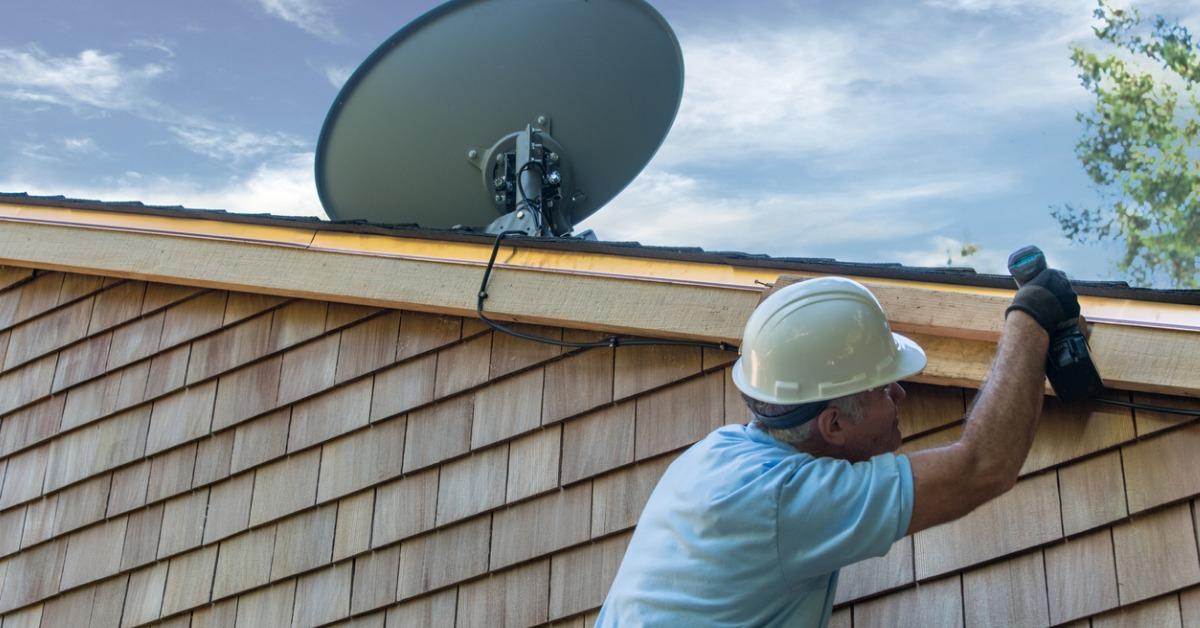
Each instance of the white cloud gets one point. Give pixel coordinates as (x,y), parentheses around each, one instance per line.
(59,150)
(941,249)
(36,151)
(93,78)
(1080,7)
(155,43)
(33,96)
(79,145)
(311,16)
(1039,9)
(337,74)
(813,90)
(991,256)
(282,186)
(225,142)
(665,208)
(873,117)
(763,90)
(96,80)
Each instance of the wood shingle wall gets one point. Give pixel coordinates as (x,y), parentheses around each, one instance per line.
(206,458)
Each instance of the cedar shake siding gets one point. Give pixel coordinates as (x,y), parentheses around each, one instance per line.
(176,456)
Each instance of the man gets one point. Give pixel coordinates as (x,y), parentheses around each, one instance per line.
(749,526)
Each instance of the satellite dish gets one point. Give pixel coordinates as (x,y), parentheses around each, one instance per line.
(509,114)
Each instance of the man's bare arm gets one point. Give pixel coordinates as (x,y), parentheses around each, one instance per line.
(951,481)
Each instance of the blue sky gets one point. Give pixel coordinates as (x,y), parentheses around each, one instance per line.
(862,131)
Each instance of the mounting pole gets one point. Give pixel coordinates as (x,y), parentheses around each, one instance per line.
(530,176)
(525,172)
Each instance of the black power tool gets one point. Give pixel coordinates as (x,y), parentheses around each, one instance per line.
(1068,363)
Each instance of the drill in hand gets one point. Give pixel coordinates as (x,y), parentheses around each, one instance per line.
(1068,363)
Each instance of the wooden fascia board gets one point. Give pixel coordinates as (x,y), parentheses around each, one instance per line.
(927,311)
(957,327)
(721,273)
(615,304)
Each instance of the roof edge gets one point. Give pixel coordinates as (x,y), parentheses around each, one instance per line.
(950,276)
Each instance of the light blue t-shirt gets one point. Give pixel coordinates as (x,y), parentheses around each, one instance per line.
(743,530)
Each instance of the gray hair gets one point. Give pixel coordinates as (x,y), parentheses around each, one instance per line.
(851,405)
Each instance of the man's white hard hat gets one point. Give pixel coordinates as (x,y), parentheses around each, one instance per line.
(821,339)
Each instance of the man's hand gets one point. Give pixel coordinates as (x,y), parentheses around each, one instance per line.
(1048,298)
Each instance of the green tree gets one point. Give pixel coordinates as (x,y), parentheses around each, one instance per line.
(1139,146)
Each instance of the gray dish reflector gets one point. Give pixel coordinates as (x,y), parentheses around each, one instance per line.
(409,136)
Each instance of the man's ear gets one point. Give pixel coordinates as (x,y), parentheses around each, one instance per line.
(829,424)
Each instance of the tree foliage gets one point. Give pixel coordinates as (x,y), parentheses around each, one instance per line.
(1140,146)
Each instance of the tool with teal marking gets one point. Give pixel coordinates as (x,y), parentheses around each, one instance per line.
(1068,362)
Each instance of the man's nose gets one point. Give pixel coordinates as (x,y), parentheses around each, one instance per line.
(897,392)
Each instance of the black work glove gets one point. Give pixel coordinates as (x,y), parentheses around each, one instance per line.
(1048,298)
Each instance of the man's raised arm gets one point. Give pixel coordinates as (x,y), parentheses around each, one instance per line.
(951,481)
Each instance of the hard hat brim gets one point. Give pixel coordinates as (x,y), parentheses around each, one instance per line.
(911,360)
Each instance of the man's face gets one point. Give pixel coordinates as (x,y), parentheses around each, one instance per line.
(879,429)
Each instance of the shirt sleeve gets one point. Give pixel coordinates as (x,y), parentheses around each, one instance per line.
(832,513)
